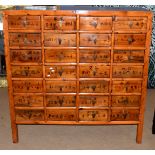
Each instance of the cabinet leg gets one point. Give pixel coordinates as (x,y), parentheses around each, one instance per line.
(15,133)
(153,125)
(139,133)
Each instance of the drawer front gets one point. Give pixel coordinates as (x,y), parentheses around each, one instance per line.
(127,71)
(94,56)
(62,40)
(100,71)
(93,115)
(60,101)
(23,22)
(94,86)
(126,86)
(59,23)
(60,71)
(96,23)
(130,23)
(60,56)
(61,115)
(27,71)
(95,39)
(29,115)
(28,100)
(125,115)
(93,101)
(27,86)
(128,56)
(26,56)
(61,86)
(132,40)
(126,101)
(25,39)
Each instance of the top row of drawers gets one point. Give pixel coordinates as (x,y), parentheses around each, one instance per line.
(70,23)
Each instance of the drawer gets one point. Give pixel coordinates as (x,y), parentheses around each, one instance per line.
(25,39)
(122,71)
(61,40)
(23,22)
(128,56)
(28,100)
(94,86)
(93,101)
(60,101)
(60,56)
(126,86)
(94,56)
(29,115)
(30,86)
(26,56)
(27,71)
(60,23)
(124,115)
(95,39)
(96,23)
(61,86)
(126,101)
(94,71)
(130,23)
(132,40)
(60,71)
(61,115)
(93,115)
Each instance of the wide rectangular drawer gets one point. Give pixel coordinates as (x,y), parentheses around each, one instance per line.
(94,56)
(94,86)
(61,115)
(95,39)
(93,115)
(93,101)
(23,22)
(60,55)
(125,115)
(25,39)
(27,71)
(31,86)
(61,86)
(60,71)
(26,56)
(60,40)
(60,23)
(122,71)
(96,23)
(94,71)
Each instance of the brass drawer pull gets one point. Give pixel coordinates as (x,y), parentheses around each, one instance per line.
(130,40)
(130,24)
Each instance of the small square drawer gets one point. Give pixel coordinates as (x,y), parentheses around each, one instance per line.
(28,100)
(122,71)
(27,71)
(94,71)
(93,115)
(60,23)
(125,115)
(128,56)
(93,101)
(61,115)
(126,101)
(26,56)
(60,71)
(25,39)
(60,56)
(61,86)
(94,86)
(23,22)
(95,39)
(96,23)
(60,40)
(60,101)
(30,86)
